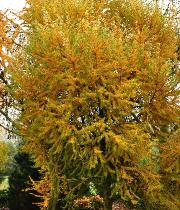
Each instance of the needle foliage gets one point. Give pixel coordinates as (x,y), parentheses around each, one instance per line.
(96,84)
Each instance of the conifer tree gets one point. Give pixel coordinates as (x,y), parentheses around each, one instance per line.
(95,84)
(19,197)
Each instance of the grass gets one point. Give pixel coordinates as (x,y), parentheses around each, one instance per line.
(4,186)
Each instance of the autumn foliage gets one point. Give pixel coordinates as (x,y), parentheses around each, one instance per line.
(9,31)
(97,89)
(5,45)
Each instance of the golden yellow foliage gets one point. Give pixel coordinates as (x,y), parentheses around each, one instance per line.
(96,87)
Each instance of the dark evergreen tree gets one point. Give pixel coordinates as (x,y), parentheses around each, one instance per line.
(19,197)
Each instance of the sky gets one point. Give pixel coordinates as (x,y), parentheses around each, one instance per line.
(19,4)
(12,4)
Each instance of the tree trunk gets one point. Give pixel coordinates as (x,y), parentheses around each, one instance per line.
(52,204)
(107,203)
(119,205)
(54,193)
(107,194)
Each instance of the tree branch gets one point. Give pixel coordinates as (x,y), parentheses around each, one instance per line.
(9,130)
(6,116)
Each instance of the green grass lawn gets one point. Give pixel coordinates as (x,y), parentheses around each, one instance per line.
(4,185)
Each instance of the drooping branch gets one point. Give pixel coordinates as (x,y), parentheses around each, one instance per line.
(6,116)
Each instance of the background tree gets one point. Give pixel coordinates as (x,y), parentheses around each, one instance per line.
(6,159)
(95,85)
(4,58)
(19,197)
(4,155)
(9,31)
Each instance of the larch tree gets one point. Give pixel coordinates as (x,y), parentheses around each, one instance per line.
(98,95)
